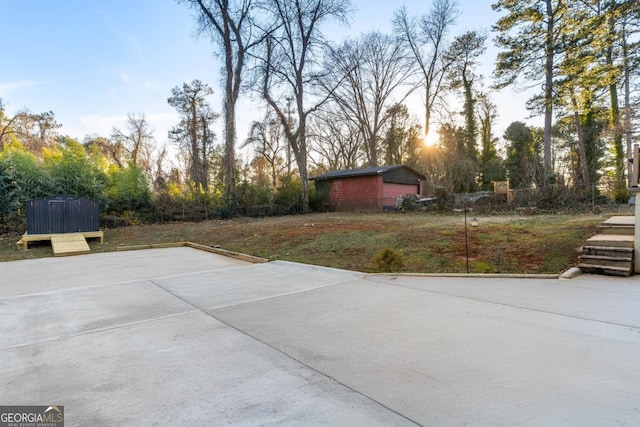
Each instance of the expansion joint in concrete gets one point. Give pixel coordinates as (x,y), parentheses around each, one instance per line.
(285,354)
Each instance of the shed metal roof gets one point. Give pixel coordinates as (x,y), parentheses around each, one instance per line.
(377,170)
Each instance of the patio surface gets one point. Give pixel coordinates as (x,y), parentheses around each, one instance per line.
(179,336)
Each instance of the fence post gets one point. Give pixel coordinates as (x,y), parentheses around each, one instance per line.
(636,191)
(636,165)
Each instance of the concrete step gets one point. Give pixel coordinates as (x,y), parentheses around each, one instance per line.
(616,229)
(608,258)
(611,240)
(626,220)
(598,269)
(608,251)
(606,261)
(611,251)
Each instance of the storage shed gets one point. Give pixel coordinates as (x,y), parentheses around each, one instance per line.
(67,221)
(62,214)
(369,189)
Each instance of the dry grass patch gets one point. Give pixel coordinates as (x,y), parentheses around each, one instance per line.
(429,243)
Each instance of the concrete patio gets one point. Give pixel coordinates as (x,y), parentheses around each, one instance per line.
(179,336)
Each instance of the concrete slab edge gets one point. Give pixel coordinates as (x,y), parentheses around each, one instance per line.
(571,273)
(231,254)
(151,246)
(219,251)
(318,267)
(472,275)
(568,274)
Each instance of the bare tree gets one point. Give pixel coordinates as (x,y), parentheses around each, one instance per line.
(34,131)
(160,176)
(267,136)
(402,140)
(7,125)
(231,25)
(290,64)
(137,140)
(338,142)
(371,71)
(46,126)
(113,149)
(425,38)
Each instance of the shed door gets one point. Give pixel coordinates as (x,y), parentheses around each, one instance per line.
(57,216)
(73,216)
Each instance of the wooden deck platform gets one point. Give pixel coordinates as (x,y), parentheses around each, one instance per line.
(63,244)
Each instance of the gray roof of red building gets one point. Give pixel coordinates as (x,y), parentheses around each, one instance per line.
(377,170)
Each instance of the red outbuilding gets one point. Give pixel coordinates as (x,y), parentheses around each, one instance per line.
(369,189)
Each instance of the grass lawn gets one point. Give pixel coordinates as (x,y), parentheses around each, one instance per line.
(429,243)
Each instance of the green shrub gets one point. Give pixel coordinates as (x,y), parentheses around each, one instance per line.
(621,195)
(73,171)
(128,190)
(319,197)
(442,198)
(288,196)
(388,260)
(249,194)
(21,179)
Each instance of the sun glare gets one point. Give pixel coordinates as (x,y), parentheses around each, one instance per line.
(430,139)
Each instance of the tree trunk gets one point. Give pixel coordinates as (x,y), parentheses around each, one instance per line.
(614,125)
(195,155)
(581,147)
(618,149)
(304,183)
(229,152)
(427,115)
(627,100)
(301,160)
(548,91)
(232,82)
(204,156)
(372,152)
(469,118)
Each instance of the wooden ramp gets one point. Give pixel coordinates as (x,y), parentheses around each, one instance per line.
(69,244)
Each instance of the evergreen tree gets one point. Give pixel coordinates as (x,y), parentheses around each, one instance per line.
(491,165)
(460,170)
(531,34)
(463,54)
(523,156)
(193,134)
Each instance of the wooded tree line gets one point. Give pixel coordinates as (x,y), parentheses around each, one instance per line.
(332,106)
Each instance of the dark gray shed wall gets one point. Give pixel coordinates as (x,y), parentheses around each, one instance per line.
(403,175)
(62,214)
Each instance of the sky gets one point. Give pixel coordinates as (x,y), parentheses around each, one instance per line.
(92,62)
